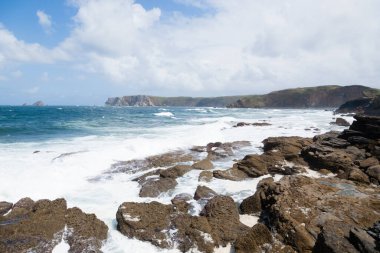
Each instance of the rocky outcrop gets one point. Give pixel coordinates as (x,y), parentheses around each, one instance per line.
(340,122)
(281,156)
(167,226)
(366,106)
(139,100)
(203,192)
(38,103)
(39,226)
(324,213)
(252,241)
(241,124)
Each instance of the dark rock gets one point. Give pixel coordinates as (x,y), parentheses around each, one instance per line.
(333,239)
(203,192)
(374,172)
(341,122)
(205,176)
(251,205)
(252,241)
(223,217)
(176,171)
(5,207)
(180,202)
(205,164)
(362,240)
(40,226)
(154,187)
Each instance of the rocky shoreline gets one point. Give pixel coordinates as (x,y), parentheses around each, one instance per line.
(328,200)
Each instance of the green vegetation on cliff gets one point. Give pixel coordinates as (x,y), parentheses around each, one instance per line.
(309,97)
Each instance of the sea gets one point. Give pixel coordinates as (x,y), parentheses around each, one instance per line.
(64,152)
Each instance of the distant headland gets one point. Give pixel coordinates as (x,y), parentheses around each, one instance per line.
(307,97)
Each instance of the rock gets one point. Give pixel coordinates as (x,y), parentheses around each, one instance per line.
(145,221)
(154,187)
(289,147)
(374,172)
(371,161)
(333,239)
(253,166)
(297,207)
(164,226)
(5,207)
(368,126)
(158,161)
(40,226)
(176,171)
(261,124)
(219,150)
(205,176)
(362,240)
(331,139)
(38,103)
(230,174)
(250,242)
(205,164)
(251,205)
(203,192)
(223,217)
(180,202)
(358,176)
(341,122)
(87,232)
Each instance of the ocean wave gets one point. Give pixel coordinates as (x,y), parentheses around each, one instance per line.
(164,114)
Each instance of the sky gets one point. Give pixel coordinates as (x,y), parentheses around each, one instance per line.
(80,52)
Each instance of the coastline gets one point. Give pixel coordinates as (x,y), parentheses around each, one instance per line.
(216,184)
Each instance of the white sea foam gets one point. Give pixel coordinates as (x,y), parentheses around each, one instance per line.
(37,175)
(164,114)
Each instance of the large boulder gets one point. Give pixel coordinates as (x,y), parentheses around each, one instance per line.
(252,241)
(203,192)
(39,226)
(308,210)
(153,187)
(223,217)
(205,164)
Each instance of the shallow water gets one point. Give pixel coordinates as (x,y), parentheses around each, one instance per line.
(52,152)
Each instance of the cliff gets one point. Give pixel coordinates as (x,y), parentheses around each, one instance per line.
(314,97)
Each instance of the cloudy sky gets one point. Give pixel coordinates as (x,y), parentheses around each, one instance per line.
(83,51)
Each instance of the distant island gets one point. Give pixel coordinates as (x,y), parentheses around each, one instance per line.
(307,97)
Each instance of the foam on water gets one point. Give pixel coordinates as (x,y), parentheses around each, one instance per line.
(62,167)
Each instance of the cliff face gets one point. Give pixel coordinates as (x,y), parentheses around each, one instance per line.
(315,97)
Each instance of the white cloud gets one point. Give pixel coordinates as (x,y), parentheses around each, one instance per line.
(240,46)
(33,90)
(44,20)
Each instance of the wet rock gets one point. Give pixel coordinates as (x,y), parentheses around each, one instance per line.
(219,150)
(145,221)
(154,187)
(318,211)
(331,139)
(203,192)
(86,231)
(175,172)
(205,176)
(164,226)
(252,241)
(290,147)
(341,122)
(253,166)
(163,160)
(223,217)
(40,226)
(180,202)
(230,174)
(241,124)
(252,204)
(5,207)
(205,164)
